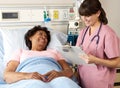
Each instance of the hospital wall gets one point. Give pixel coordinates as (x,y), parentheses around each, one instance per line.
(31,12)
(112,8)
(36,2)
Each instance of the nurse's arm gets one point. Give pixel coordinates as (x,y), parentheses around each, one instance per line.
(112,63)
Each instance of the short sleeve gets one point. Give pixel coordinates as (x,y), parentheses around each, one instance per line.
(112,45)
(16,55)
(57,55)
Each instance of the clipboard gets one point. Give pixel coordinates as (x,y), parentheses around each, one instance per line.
(71,54)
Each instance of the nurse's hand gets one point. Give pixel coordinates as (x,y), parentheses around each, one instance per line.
(88,58)
(84,57)
(92,59)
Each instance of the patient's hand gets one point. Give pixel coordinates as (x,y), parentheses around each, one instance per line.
(51,75)
(36,75)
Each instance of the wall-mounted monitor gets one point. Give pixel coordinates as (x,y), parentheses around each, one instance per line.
(10,15)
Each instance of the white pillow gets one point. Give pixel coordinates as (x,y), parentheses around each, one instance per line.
(57,39)
(1,47)
(13,39)
(1,72)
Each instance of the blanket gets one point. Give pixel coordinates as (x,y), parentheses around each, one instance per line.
(41,65)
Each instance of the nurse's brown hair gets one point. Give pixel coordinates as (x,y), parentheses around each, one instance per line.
(90,7)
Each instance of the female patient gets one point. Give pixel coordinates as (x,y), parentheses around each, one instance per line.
(37,40)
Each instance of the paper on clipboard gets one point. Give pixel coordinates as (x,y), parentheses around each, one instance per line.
(72,54)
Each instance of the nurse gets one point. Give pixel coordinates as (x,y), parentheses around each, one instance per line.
(101,45)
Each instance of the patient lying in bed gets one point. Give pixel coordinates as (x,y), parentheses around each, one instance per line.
(38,67)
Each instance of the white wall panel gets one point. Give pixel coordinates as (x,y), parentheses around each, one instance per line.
(112,8)
(36,2)
(33,15)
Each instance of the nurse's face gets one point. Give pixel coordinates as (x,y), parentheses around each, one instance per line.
(91,20)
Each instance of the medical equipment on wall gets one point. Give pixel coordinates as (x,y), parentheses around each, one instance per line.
(73,32)
(47,19)
(74,23)
(46,15)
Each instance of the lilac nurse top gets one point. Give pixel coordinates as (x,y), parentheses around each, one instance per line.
(108,47)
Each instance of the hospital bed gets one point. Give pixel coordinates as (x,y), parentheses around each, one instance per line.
(15,20)
(12,33)
(12,39)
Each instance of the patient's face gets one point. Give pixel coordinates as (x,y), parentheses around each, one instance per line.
(39,40)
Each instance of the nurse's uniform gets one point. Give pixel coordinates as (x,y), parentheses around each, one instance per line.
(108,47)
